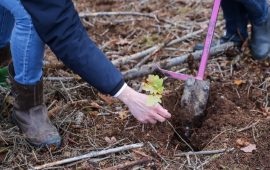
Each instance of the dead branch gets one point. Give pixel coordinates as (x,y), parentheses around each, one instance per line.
(2,89)
(149,51)
(52,112)
(63,79)
(144,60)
(127,59)
(119,13)
(149,68)
(190,35)
(90,155)
(86,103)
(209,152)
(185,37)
(248,127)
(156,152)
(68,94)
(129,165)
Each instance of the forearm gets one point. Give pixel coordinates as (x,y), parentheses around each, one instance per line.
(59,26)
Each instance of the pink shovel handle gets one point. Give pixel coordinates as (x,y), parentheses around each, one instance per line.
(206,49)
(174,75)
(208,40)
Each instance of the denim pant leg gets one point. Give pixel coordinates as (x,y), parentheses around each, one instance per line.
(236,19)
(6,26)
(257,10)
(26,46)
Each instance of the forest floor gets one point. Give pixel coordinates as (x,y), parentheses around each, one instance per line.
(238,110)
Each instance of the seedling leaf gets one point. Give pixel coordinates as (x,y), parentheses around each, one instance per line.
(153,100)
(154,85)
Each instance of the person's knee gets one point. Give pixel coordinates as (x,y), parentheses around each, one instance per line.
(20,15)
(23,18)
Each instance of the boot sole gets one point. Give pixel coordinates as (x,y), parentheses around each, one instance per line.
(51,144)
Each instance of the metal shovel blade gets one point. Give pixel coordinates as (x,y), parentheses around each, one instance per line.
(194,99)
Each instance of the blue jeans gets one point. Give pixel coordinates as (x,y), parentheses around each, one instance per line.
(27,48)
(238,13)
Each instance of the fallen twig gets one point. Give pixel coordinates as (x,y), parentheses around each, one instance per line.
(149,68)
(149,51)
(68,94)
(248,127)
(183,140)
(216,137)
(63,79)
(119,13)
(2,89)
(144,60)
(127,59)
(129,165)
(209,152)
(90,155)
(86,103)
(185,37)
(156,152)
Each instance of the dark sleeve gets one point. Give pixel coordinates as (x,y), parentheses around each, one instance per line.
(59,26)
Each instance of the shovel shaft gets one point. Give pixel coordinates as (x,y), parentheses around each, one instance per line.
(174,75)
(208,40)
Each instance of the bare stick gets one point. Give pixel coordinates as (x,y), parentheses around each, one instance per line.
(63,79)
(216,137)
(84,102)
(129,165)
(156,152)
(209,152)
(2,89)
(248,127)
(149,68)
(90,155)
(120,13)
(149,56)
(69,96)
(190,35)
(183,140)
(127,59)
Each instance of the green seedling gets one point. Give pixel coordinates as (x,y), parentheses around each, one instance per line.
(154,86)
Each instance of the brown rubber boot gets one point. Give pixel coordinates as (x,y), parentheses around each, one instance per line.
(5,56)
(31,115)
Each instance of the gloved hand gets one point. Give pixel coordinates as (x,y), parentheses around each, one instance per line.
(136,103)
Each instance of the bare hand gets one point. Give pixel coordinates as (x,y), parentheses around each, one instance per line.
(136,103)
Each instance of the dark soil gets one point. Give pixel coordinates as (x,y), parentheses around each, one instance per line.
(231,107)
